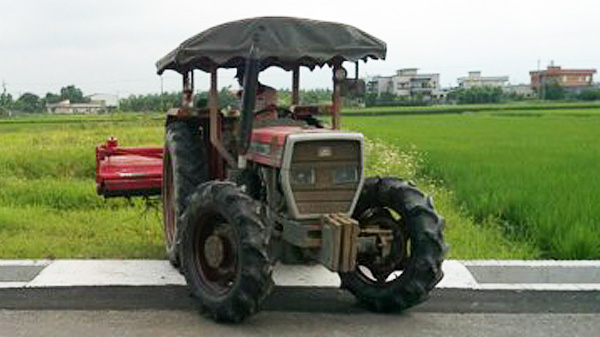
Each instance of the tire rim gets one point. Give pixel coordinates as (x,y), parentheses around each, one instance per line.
(215,255)
(384,268)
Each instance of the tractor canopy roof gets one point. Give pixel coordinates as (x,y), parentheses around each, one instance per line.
(285,42)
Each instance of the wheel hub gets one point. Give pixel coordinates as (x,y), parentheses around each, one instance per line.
(214,251)
(386,250)
(216,255)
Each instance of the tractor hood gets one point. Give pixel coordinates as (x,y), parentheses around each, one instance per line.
(268,143)
(285,42)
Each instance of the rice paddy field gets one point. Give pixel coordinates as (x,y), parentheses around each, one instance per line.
(511,183)
(48,203)
(535,175)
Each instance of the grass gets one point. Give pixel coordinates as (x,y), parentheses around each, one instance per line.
(48,204)
(435,109)
(468,238)
(49,209)
(509,187)
(535,178)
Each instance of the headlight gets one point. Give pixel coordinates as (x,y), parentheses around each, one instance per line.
(346,175)
(302,176)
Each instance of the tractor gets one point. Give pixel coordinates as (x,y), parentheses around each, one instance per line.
(241,193)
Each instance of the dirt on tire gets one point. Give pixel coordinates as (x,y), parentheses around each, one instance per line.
(185,166)
(221,207)
(424,228)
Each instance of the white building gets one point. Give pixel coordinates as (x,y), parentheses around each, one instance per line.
(108,100)
(407,83)
(476,80)
(66,107)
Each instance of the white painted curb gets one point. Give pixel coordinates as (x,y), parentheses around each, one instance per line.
(81,273)
(24,263)
(457,275)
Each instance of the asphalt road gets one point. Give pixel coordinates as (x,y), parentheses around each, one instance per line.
(168,311)
(150,323)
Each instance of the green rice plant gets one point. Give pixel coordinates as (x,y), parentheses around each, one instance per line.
(467,238)
(526,106)
(44,232)
(535,177)
(49,207)
(48,202)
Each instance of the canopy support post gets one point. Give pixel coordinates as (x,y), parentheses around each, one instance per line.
(296,86)
(187,95)
(215,129)
(337,95)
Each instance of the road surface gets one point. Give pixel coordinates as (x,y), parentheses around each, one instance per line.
(149,312)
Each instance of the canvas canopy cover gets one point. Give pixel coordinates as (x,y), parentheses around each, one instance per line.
(280,41)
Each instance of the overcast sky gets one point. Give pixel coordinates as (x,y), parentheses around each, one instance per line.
(110,46)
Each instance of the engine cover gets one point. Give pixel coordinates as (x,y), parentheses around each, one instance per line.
(321,171)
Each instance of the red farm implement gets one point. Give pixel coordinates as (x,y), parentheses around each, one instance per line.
(128,171)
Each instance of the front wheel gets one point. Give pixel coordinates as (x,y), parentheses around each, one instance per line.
(401,259)
(224,252)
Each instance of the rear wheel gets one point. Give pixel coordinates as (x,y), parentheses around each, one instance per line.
(401,259)
(169,208)
(224,252)
(184,168)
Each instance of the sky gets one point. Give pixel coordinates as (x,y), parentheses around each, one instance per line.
(111,46)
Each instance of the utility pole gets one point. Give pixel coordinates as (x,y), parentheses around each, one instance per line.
(4,101)
(541,81)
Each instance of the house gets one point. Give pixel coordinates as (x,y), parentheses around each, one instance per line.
(67,107)
(573,80)
(476,80)
(111,102)
(407,83)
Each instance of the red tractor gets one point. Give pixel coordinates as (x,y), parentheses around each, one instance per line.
(242,192)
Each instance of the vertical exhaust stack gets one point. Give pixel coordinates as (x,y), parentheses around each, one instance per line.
(248,100)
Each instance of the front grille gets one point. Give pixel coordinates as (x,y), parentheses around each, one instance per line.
(325,158)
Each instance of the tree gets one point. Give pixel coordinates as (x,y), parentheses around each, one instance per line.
(29,102)
(52,98)
(478,94)
(315,96)
(73,94)
(589,95)
(553,90)
(227,98)
(371,99)
(6,101)
(151,102)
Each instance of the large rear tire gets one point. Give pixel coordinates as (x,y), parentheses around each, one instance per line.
(401,276)
(224,252)
(185,166)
